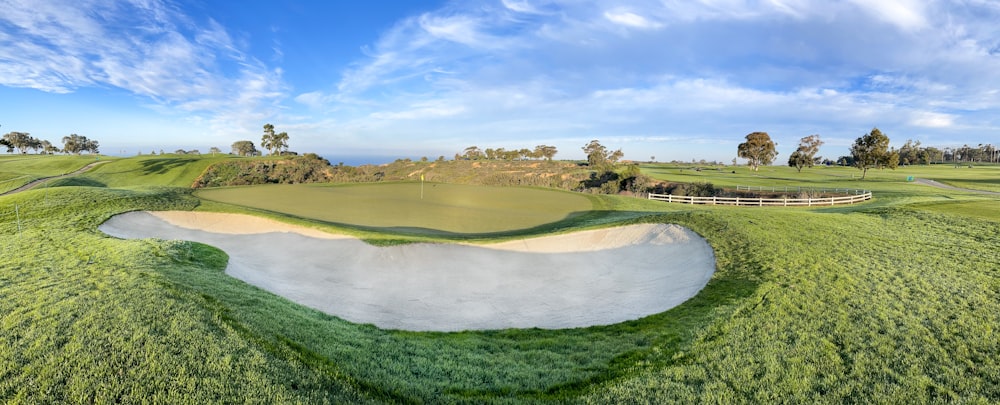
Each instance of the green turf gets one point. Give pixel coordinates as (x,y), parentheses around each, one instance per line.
(437,209)
(18,170)
(984,177)
(892,301)
(983,209)
(151,170)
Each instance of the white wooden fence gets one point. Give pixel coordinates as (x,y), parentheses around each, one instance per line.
(856,197)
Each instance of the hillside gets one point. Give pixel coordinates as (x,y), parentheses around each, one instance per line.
(312,169)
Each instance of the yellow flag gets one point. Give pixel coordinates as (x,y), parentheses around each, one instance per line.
(421,177)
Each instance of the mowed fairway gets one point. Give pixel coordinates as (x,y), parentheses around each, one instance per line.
(444,208)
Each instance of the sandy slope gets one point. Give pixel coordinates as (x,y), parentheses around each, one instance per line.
(586,278)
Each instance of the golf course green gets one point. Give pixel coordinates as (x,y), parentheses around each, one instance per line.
(432,208)
(894,300)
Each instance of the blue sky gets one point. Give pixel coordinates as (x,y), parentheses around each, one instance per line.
(670,79)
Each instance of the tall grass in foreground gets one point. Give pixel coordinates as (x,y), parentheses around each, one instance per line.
(880,302)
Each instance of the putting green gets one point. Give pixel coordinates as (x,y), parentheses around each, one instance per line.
(399,207)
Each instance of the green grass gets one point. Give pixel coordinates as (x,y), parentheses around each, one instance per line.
(18,170)
(986,177)
(895,300)
(151,170)
(981,209)
(438,209)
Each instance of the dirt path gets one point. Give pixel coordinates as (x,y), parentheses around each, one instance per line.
(932,183)
(37,182)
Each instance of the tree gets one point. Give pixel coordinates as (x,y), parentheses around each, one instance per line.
(805,155)
(546,151)
(22,141)
(598,156)
(213,150)
(473,153)
(281,142)
(267,141)
(244,148)
(757,150)
(5,142)
(870,150)
(77,144)
(48,148)
(910,153)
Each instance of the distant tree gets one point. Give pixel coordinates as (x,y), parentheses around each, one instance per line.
(805,155)
(22,141)
(213,150)
(758,150)
(910,153)
(546,151)
(48,148)
(870,150)
(244,148)
(77,144)
(267,141)
(281,142)
(91,146)
(473,153)
(598,156)
(180,152)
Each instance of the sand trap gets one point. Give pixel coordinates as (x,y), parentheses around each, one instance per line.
(597,277)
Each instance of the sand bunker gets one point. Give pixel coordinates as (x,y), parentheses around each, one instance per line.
(597,277)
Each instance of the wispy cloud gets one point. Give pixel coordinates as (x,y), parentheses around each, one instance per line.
(703,67)
(630,19)
(148,48)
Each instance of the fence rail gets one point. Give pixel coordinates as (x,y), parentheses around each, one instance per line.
(856,197)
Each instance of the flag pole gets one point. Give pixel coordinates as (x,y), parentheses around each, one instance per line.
(421,186)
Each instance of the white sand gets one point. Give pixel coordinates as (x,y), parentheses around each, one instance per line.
(597,277)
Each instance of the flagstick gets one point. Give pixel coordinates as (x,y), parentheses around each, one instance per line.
(421,187)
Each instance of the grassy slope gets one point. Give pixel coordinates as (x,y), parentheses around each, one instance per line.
(885,300)
(18,170)
(150,170)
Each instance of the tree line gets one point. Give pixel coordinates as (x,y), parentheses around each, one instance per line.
(23,141)
(871,150)
(474,153)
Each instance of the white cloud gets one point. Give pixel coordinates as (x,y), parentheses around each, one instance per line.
(147,48)
(630,19)
(905,14)
(930,119)
(424,111)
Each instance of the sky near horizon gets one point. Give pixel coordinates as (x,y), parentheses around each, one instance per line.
(674,79)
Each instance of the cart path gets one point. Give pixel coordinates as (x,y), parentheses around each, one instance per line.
(932,183)
(39,181)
